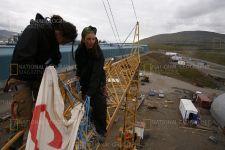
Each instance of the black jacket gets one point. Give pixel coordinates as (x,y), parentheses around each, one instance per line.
(36,45)
(90,70)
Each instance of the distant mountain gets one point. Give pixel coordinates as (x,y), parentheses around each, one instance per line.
(5,34)
(187,39)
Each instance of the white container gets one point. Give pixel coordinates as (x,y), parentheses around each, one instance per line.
(171,54)
(181,62)
(186,107)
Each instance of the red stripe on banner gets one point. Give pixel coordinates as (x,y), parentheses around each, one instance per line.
(57,141)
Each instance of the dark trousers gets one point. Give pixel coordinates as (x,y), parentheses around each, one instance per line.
(99,110)
(98,103)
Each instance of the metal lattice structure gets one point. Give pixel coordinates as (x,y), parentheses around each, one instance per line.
(123,89)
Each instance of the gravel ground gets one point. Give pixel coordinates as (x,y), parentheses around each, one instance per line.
(164,129)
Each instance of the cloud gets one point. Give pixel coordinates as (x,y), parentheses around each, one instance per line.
(155,17)
(197,8)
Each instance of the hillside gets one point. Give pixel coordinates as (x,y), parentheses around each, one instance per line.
(4,34)
(203,40)
(160,63)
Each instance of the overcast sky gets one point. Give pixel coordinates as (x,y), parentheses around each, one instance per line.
(155,17)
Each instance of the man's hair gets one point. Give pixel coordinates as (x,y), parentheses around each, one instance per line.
(68,29)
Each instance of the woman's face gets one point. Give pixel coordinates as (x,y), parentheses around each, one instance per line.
(89,40)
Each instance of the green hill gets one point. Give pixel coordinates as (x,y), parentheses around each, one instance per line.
(160,63)
(191,40)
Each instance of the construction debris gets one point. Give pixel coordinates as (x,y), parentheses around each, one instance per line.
(204,127)
(169,101)
(5,116)
(213,139)
(151,107)
(194,128)
(145,79)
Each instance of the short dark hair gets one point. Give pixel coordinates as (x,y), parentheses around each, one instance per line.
(68,29)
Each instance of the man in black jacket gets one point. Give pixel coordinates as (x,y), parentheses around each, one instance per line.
(90,62)
(37,48)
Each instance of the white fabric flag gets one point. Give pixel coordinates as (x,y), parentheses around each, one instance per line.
(49,130)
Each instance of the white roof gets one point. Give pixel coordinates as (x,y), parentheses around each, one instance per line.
(171,53)
(176,57)
(188,105)
(198,92)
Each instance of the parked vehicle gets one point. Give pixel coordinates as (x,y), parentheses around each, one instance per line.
(152,92)
(161,94)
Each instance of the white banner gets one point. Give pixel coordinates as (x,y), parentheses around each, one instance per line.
(49,130)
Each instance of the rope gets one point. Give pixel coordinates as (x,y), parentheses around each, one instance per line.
(85,124)
(72,51)
(134,10)
(78,86)
(109,20)
(128,36)
(114,21)
(66,87)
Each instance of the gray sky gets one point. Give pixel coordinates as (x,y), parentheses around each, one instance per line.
(155,17)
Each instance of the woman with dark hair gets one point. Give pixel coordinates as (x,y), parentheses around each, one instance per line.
(90,62)
(37,48)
